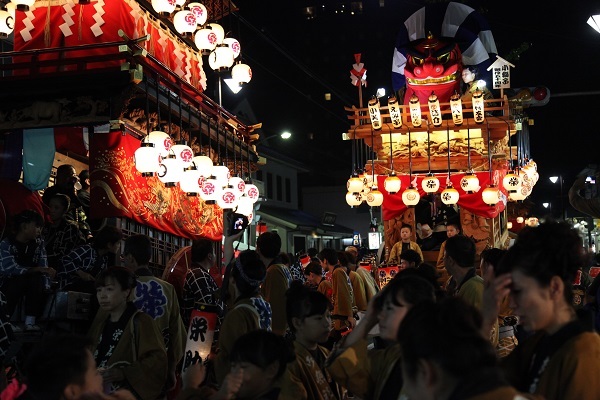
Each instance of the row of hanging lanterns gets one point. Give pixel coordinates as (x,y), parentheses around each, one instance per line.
(209,38)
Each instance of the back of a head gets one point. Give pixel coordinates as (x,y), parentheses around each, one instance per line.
(329,255)
(411,256)
(462,250)
(342,258)
(54,363)
(140,248)
(63,173)
(25,217)
(302,302)
(413,288)
(312,252)
(447,333)
(313,267)
(353,250)
(84,175)
(249,272)
(107,235)
(284,258)
(269,244)
(550,249)
(493,256)
(351,257)
(263,348)
(201,248)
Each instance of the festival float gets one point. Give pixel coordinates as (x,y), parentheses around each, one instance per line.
(439,146)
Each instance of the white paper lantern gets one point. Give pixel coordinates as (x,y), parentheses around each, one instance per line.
(478,107)
(23,5)
(162,142)
(415,111)
(435,113)
(456,109)
(234,45)
(355,184)
(375,197)
(205,40)
(210,190)
(238,185)
(430,183)
(411,196)
(375,113)
(511,182)
(170,171)
(221,174)
(520,220)
(241,73)
(228,199)
(245,206)
(392,183)
(163,7)
(204,165)
(449,195)
(199,11)
(7,21)
(184,22)
(184,153)
(218,31)
(491,195)
(470,183)
(147,159)
(519,195)
(252,192)
(353,199)
(191,181)
(221,58)
(395,112)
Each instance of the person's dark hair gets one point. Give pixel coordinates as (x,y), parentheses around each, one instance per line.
(455,224)
(140,248)
(350,256)
(83,176)
(124,277)
(64,200)
(25,217)
(411,256)
(263,348)
(342,259)
(406,226)
(254,271)
(462,250)
(329,255)
(302,303)
(64,171)
(459,351)
(413,288)
(493,256)
(312,252)
(550,249)
(201,248)
(313,267)
(107,235)
(269,244)
(55,362)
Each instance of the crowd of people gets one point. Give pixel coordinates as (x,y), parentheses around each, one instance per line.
(320,328)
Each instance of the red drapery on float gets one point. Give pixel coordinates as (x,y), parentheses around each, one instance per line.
(56,23)
(118,190)
(393,206)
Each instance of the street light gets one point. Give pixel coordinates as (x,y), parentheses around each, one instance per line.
(286,135)
(560,179)
(594,22)
(546,205)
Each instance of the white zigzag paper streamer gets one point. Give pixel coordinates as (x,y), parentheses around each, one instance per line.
(188,65)
(27,21)
(202,80)
(163,40)
(99,7)
(66,27)
(136,13)
(178,61)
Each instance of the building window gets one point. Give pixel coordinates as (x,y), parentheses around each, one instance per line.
(259,175)
(269,185)
(288,190)
(279,188)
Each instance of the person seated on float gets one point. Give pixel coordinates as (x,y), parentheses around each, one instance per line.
(445,356)
(24,270)
(404,244)
(309,319)
(127,344)
(373,374)
(82,265)
(452,229)
(60,235)
(562,358)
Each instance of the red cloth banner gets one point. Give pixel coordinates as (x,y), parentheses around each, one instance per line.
(393,206)
(119,190)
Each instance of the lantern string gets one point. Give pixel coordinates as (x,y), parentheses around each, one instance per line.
(487,122)
(158,103)
(448,139)
(391,149)
(409,157)
(428,148)
(147,108)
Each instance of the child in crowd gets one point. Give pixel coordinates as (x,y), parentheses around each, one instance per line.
(128,347)
(309,319)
